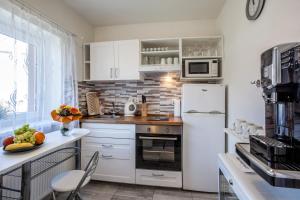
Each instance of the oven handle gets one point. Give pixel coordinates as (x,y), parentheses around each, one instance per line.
(157,138)
(157,175)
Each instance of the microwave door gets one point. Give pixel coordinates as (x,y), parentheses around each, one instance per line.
(197,68)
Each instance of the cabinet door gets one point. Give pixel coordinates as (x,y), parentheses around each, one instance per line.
(116,144)
(102,61)
(127,59)
(117,160)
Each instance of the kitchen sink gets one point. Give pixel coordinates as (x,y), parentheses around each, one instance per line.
(107,116)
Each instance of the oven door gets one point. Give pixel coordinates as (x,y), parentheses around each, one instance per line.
(158,151)
(197,68)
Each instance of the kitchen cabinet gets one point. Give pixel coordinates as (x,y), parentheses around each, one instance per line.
(128,60)
(102,61)
(116,145)
(115,60)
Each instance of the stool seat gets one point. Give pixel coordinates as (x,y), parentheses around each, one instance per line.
(68,181)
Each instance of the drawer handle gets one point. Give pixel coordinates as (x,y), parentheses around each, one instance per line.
(107,157)
(107,146)
(157,138)
(157,175)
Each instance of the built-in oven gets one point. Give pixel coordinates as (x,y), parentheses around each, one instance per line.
(158,147)
(200,68)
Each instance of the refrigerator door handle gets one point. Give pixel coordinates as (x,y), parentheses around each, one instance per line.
(214,112)
(192,111)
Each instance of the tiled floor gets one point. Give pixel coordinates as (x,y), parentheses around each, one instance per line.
(113,191)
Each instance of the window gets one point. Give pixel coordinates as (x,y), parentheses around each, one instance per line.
(37,64)
(16,71)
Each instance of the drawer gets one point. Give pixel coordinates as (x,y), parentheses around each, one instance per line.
(112,169)
(102,141)
(110,130)
(159,178)
(111,152)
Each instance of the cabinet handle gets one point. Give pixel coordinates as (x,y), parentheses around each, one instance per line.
(110,73)
(107,146)
(109,156)
(157,175)
(116,75)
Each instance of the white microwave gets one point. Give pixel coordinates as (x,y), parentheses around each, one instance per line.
(201,68)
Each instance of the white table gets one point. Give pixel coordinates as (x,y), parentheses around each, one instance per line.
(250,186)
(54,141)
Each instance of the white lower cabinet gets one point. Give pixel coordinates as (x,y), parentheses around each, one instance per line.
(116,145)
(159,178)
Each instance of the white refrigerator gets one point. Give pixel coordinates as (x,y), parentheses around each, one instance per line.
(203,114)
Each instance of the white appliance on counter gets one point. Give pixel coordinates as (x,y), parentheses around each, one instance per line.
(203,114)
(130,107)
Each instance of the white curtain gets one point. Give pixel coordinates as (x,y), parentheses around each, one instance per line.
(37,66)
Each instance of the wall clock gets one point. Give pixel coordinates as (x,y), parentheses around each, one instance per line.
(254,8)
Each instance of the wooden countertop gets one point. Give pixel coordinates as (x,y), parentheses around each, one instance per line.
(175,121)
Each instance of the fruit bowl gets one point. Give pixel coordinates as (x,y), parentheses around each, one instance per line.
(22,149)
(24,139)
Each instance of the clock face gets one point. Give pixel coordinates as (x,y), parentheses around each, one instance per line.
(254,8)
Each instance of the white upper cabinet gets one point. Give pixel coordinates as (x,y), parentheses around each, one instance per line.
(102,61)
(128,60)
(131,59)
(115,60)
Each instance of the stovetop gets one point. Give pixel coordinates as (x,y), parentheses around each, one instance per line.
(158,118)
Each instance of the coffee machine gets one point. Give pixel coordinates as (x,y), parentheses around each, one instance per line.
(276,155)
(280,81)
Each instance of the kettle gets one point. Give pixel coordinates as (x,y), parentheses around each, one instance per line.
(130,107)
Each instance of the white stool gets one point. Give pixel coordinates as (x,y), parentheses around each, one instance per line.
(72,181)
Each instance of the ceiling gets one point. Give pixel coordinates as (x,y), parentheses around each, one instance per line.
(120,12)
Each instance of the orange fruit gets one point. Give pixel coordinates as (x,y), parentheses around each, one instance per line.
(39,137)
(74,111)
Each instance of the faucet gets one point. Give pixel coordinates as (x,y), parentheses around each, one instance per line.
(114,110)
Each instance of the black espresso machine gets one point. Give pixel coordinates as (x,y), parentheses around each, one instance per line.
(276,156)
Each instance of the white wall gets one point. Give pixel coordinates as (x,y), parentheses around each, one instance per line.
(63,15)
(157,30)
(244,42)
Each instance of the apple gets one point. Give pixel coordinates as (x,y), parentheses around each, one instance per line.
(8,141)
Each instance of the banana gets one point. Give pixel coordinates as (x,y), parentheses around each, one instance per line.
(12,147)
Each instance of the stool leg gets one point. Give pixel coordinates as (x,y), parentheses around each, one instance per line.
(78,196)
(53,195)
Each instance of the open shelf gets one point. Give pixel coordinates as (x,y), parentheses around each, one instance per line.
(161,53)
(86,62)
(201,57)
(160,68)
(151,55)
(204,47)
(208,79)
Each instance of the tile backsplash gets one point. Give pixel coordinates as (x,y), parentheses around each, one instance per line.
(159,89)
